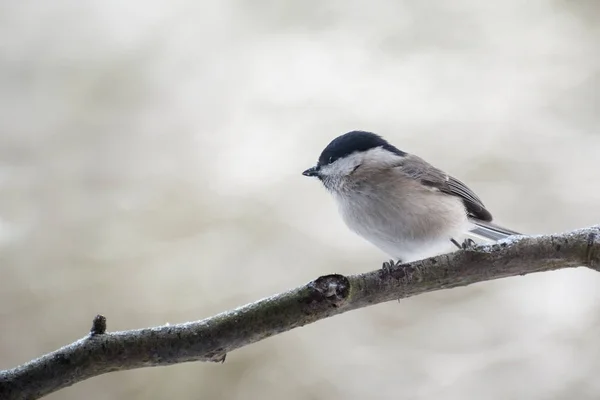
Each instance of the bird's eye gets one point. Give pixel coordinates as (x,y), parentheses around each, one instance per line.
(330,160)
(355,168)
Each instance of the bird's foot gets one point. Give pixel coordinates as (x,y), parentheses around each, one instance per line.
(465,245)
(389,265)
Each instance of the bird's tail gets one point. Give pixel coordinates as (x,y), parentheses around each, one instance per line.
(491,231)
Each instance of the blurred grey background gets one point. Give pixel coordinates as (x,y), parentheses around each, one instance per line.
(150,160)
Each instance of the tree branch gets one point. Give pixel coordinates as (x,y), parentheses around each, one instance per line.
(210,339)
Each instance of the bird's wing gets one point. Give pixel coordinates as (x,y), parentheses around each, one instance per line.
(419,169)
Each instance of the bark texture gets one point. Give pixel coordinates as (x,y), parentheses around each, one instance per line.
(211,339)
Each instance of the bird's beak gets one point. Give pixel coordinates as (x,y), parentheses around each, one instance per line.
(312,171)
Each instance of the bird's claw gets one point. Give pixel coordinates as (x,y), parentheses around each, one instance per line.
(389,265)
(465,245)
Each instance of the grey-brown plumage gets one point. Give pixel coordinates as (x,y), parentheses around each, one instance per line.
(421,170)
(398,201)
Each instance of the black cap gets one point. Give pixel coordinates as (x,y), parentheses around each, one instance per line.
(352,142)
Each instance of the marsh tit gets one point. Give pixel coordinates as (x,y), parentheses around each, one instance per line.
(398,201)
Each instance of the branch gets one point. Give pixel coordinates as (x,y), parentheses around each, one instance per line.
(212,338)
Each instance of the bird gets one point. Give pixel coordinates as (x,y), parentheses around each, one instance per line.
(397,201)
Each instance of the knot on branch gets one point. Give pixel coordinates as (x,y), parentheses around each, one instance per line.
(333,289)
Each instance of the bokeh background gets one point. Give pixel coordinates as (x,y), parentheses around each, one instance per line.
(150,160)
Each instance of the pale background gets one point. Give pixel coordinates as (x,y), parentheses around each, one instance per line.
(151,156)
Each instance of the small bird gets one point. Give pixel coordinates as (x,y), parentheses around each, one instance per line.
(398,201)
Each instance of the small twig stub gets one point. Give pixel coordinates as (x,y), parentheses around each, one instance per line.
(98,325)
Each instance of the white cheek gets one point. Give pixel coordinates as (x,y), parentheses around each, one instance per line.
(380,157)
(377,157)
(343,166)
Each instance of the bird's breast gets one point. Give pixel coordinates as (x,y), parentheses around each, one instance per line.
(404,224)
